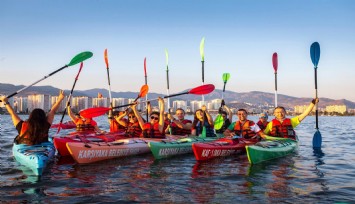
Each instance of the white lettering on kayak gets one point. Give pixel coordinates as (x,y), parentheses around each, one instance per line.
(218,152)
(174,151)
(90,154)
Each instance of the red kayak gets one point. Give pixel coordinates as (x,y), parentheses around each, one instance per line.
(221,148)
(60,142)
(65,125)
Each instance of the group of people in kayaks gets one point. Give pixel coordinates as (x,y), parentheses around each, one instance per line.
(35,129)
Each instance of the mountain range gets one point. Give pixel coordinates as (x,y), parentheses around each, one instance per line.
(256,98)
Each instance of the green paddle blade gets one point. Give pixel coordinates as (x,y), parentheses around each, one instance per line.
(204,132)
(218,123)
(167,57)
(202,49)
(226,77)
(80,58)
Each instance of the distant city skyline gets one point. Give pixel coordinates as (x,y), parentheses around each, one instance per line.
(37,37)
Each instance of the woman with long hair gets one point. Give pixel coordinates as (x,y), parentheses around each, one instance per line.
(202,120)
(35,129)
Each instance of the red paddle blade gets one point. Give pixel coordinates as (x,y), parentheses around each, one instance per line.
(274,61)
(204,89)
(106,58)
(94,112)
(144,91)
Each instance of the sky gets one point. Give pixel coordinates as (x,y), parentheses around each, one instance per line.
(38,37)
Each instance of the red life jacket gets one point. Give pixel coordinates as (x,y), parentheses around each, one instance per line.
(133,130)
(284,130)
(244,130)
(86,126)
(115,126)
(152,131)
(25,138)
(261,125)
(175,130)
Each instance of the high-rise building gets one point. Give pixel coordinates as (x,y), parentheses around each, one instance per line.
(80,103)
(22,103)
(41,101)
(100,102)
(179,104)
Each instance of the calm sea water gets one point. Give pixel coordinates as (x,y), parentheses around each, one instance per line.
(306,176)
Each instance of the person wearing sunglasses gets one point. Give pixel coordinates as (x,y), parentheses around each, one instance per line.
(202,120)
(114,119)
(262,123)
(132,127)
(243,127)
(155,127)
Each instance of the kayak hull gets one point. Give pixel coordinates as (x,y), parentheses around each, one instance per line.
(220,148)
(270,149)
(60,142)
(164,149)
(94,152)
(34,157)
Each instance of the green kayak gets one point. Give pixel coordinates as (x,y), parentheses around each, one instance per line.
(271,148)
(165,149)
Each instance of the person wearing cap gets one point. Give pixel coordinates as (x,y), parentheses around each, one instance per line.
(262,123)
(281,126)
(243,127)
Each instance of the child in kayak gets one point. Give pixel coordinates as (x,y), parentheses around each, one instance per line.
(35,129)
(202,120)
(262,123)
(281,126)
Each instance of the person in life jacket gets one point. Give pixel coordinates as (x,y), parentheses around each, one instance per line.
(179,126)
(202,120)
(132,127)
(281,126)
(154,128)
(87,125)
(114,119)
(227,115)
(35,129)
(262,123)
(243,127)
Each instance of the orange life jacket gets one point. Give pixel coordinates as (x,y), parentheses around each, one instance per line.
(244,130)
(115,126)
(133,130)
(175,130)
(283,129)
(83,126)
(25,138)
(152,131)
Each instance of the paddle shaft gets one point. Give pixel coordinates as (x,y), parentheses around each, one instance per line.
(167,86)
(109,86)
(315,81)
(45,77)
(203,78)
(275,89)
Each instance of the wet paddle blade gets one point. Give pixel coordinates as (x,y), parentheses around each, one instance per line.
(275,61)
(315,53)
(201,90)
(80,58)
(226,77)
(202,49)
(218,123)
(144,91)
(94,112)
(317,140)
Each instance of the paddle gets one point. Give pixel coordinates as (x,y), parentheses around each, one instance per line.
(275,64)
(108,76)
(202,53)
(146,83)
(218,123)
(97,111)
(167,84)
(315,55)
(69,98)
(77,59)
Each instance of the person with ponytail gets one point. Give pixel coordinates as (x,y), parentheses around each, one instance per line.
(202,119)
(35,129)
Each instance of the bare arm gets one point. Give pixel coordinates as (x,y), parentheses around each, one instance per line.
(55,107)
(71,115)
(161,115)
(209,117)
(14,116)
(139,117)
(308,110)
(120,121)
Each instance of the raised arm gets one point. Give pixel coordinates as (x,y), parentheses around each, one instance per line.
(55,107)
(308,110)
(229,112)
(139,117)
(209,117)
(120,121)
(71,115)
(14,116)
(161,115)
